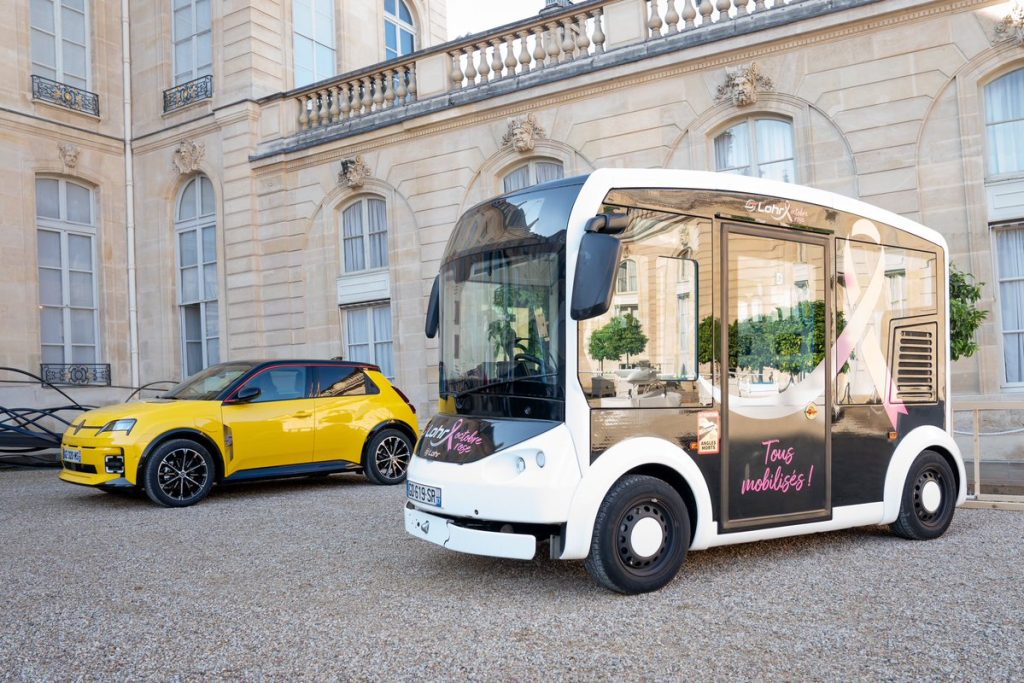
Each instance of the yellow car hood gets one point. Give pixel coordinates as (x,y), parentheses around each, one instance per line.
(141,409)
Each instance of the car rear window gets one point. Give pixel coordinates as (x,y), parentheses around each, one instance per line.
(337,381)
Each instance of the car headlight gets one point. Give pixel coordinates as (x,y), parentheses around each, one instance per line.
(123,425)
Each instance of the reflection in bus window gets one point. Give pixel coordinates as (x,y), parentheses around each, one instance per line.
(647,351)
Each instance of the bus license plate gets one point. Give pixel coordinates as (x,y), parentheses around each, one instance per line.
(72,455)
(428,495)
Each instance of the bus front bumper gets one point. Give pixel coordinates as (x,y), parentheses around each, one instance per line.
(449,534)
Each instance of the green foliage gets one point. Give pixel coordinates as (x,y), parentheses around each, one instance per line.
(623,335)
(964,315)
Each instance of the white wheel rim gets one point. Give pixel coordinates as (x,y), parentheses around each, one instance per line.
(646,537)
(931,496)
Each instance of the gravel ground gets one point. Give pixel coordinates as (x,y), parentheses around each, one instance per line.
(317,580)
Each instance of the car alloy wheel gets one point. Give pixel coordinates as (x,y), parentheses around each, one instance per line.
(392,457)
(182,474)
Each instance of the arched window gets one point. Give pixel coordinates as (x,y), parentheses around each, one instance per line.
(532,173)
(1004,123)
(193,51)
(399,29)
(313,39)
(196,230)
(364,235)
(625,282)
(759,147)
(68,295)
(60,41)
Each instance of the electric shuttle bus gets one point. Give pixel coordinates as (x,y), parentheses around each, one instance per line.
(637,363)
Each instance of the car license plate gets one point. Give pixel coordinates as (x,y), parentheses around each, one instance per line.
(428,495)
(72,455)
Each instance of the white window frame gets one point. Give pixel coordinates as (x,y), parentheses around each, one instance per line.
(632,279)
(364,210)
(400,25)
(196,226)
(65,228)
(754,167)
(531,167)
(192,38)
(371,342)
(58,39)
(332,68)
(1003,332)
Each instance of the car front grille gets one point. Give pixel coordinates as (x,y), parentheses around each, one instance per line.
(78,467)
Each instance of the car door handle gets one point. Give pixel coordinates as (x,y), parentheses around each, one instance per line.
(303,413)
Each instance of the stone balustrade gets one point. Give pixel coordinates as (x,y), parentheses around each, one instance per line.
(549,41)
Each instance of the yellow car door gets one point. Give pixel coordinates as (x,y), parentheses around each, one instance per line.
(342,405)
(270,419)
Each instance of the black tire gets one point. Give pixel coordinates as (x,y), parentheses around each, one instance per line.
(929,499)
(613,561)
(178,473)
(387,457)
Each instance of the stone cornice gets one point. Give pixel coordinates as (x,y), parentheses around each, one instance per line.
(621,77)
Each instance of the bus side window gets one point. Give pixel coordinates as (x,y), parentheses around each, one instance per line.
(645,352)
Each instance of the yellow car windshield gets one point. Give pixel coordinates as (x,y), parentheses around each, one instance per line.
(209,383)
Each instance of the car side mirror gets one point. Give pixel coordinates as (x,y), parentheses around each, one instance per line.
(247,394)
(596,264)
(433,309)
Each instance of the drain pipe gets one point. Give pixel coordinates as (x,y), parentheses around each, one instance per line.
(129,196)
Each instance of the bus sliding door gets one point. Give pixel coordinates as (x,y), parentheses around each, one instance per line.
(776,456)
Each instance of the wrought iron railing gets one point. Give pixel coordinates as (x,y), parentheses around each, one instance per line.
(97,374)
(64,95)
(188,93)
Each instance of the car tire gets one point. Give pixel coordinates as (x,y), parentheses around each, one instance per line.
(387,457)
(641,534)
(178,473)
(929,499)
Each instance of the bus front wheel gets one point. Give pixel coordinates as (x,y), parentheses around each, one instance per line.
(641,534)
(929,498)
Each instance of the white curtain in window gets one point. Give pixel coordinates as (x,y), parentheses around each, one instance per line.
(1004,114)
(775,150)
(517,179)
(548,171)
(732,150)
(378,219)
(382,339)
(352,238)
(357,334)
(1010,255)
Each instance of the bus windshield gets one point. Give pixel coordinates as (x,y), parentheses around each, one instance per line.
(503,306)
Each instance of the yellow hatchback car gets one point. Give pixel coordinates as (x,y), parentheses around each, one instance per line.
(245,420)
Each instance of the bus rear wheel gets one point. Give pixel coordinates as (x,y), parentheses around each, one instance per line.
(929,498)
(641,534)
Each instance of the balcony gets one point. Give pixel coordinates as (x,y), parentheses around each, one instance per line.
(77,374)
(555,45)
(63,95)
(181,96)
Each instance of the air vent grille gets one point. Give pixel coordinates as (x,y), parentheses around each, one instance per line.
(915,372)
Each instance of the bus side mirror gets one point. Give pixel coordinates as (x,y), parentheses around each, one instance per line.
(595,275)
(433,310)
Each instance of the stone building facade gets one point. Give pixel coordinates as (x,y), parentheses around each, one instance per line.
(275,217)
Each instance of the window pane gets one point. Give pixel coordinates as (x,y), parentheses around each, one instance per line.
(212,351)
(72,26)
(378,219)
(206,193)
(210,282)
(192,323)
(382,323)
(774,141)
(209,245)
(74,62)
(784,171)
(732,148)
(1006,147)
(302,17)
(44,51)
(49,248)
(357,327)
(189,285)
(324,62)
(81,290)
(50,287)
(1004,98)
(548,171)
(403,12)
(303,61)
(51,323)
(79,203)
(80,252)
(53,354)
(193,357)
(183,65)
(352,229)
(212,319)
(408,42)
(41,13)
(389,7)
(187,248)
(339,381)
(83,326)
(183,23)
(202,16)
(391,36)
(323,30)
(83,354)
(47,198)
(187,204)
(75,4)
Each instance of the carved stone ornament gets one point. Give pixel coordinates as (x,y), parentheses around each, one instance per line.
(187,156)
(353,172)
(742,84)
(1011,27)
(522,134)
(68,154)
